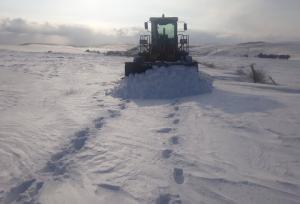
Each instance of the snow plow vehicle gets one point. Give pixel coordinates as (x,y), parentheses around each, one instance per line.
(164,46)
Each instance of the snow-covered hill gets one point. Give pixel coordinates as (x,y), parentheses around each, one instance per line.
(250,49)
(65,138)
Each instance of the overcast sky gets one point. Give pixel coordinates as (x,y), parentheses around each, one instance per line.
(88,22)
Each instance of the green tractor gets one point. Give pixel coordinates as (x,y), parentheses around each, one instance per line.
(166,46)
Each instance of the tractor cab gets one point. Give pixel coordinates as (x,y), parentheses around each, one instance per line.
(165,44)
(164,38)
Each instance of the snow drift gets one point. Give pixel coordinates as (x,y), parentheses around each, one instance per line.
(164,83)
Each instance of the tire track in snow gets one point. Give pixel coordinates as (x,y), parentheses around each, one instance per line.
(57,168)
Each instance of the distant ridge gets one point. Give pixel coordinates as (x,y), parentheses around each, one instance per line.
(53,44)
(70,45)
(252,43)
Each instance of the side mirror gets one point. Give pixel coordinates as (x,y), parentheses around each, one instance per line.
(146,25)
(185,27)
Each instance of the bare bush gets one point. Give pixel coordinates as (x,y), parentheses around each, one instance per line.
(256,75)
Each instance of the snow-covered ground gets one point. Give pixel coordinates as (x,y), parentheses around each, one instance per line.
(64,138)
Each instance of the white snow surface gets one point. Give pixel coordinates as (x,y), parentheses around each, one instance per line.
(63,139)
(164,83)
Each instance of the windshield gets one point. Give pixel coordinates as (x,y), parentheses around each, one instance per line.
(167,29)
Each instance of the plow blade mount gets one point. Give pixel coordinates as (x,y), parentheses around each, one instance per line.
(138,68)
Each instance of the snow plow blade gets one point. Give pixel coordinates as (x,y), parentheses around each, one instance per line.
(138,68)
(135,68)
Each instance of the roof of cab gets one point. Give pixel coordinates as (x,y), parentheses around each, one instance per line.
(162,19)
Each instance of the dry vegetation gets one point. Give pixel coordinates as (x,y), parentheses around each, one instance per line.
(256,75)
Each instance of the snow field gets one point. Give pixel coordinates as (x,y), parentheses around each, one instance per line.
(65,139)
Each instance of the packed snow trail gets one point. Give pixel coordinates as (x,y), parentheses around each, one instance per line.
(65,139)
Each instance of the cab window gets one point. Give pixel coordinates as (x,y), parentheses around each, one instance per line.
(167,29)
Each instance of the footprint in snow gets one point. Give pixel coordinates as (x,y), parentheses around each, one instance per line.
(114,113)
(57,166)
(164,130)
(171,115)
(24,192)
(126,100)
(110,187)
(122,106)
(167,153)
(168,199)
(176,121)
(99,122)
(174,140)
(80,138)
(178,175)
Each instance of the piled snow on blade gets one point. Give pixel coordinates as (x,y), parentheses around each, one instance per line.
(164,83)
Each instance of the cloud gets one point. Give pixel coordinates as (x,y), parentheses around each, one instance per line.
(220,20)
(239,27)
(17,31)
(274,20)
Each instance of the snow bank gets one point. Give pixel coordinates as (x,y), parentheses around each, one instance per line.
(164,83)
